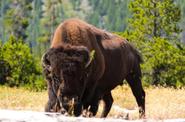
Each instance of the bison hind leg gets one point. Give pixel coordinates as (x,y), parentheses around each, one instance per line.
(134,80)
(108,100)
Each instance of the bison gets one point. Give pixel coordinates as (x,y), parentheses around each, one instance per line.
(79,80)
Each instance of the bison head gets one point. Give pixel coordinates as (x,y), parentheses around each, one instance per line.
(66,67)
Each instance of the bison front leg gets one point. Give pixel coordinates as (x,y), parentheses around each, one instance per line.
(108,100)
(53,103)
(78,109)
(93,109)
(135,83)
(90,109)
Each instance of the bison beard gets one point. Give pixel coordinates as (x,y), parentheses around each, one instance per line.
(79,81)
(68,64)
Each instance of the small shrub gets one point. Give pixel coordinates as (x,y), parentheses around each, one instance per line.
(24,68)
(4,67)
(164,63)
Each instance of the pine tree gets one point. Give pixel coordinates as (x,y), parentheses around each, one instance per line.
(34,28)
(181,3)
(3,8)
(154,28)
(50,15)
(17,18)
(154,18)
(109,14)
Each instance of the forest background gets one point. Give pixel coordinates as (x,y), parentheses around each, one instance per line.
(155,27)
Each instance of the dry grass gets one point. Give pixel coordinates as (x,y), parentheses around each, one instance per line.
(21,99)
(161,103)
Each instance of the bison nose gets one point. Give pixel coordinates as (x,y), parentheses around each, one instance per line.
(70,100)
(65,102)
(69,103)
(65,99)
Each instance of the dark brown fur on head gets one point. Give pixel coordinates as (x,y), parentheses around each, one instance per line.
(64,67)
(54,57)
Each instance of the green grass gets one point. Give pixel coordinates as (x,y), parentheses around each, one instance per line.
(161,103)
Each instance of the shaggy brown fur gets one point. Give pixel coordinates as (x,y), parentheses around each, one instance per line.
(114,60)
(68,62)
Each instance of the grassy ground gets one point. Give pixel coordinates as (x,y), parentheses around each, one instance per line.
(21,99)
(161,103)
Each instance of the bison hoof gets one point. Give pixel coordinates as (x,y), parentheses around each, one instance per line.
(141,113)
(87,113)
(63,112)
(142,116)
(84,113)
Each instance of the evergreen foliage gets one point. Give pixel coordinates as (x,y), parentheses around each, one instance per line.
(34,28)
(109,14)
(154,18)
(4,67)
(154,29)
(164,63)
(17,18)
(181,4)
(23,69)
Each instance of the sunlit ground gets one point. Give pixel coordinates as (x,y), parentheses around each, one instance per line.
(161,103)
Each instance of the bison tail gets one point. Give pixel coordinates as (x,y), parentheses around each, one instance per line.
(136,52)
(139,56)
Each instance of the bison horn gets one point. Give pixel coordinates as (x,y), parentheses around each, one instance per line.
(44,59)
(45,62)
(92,53)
